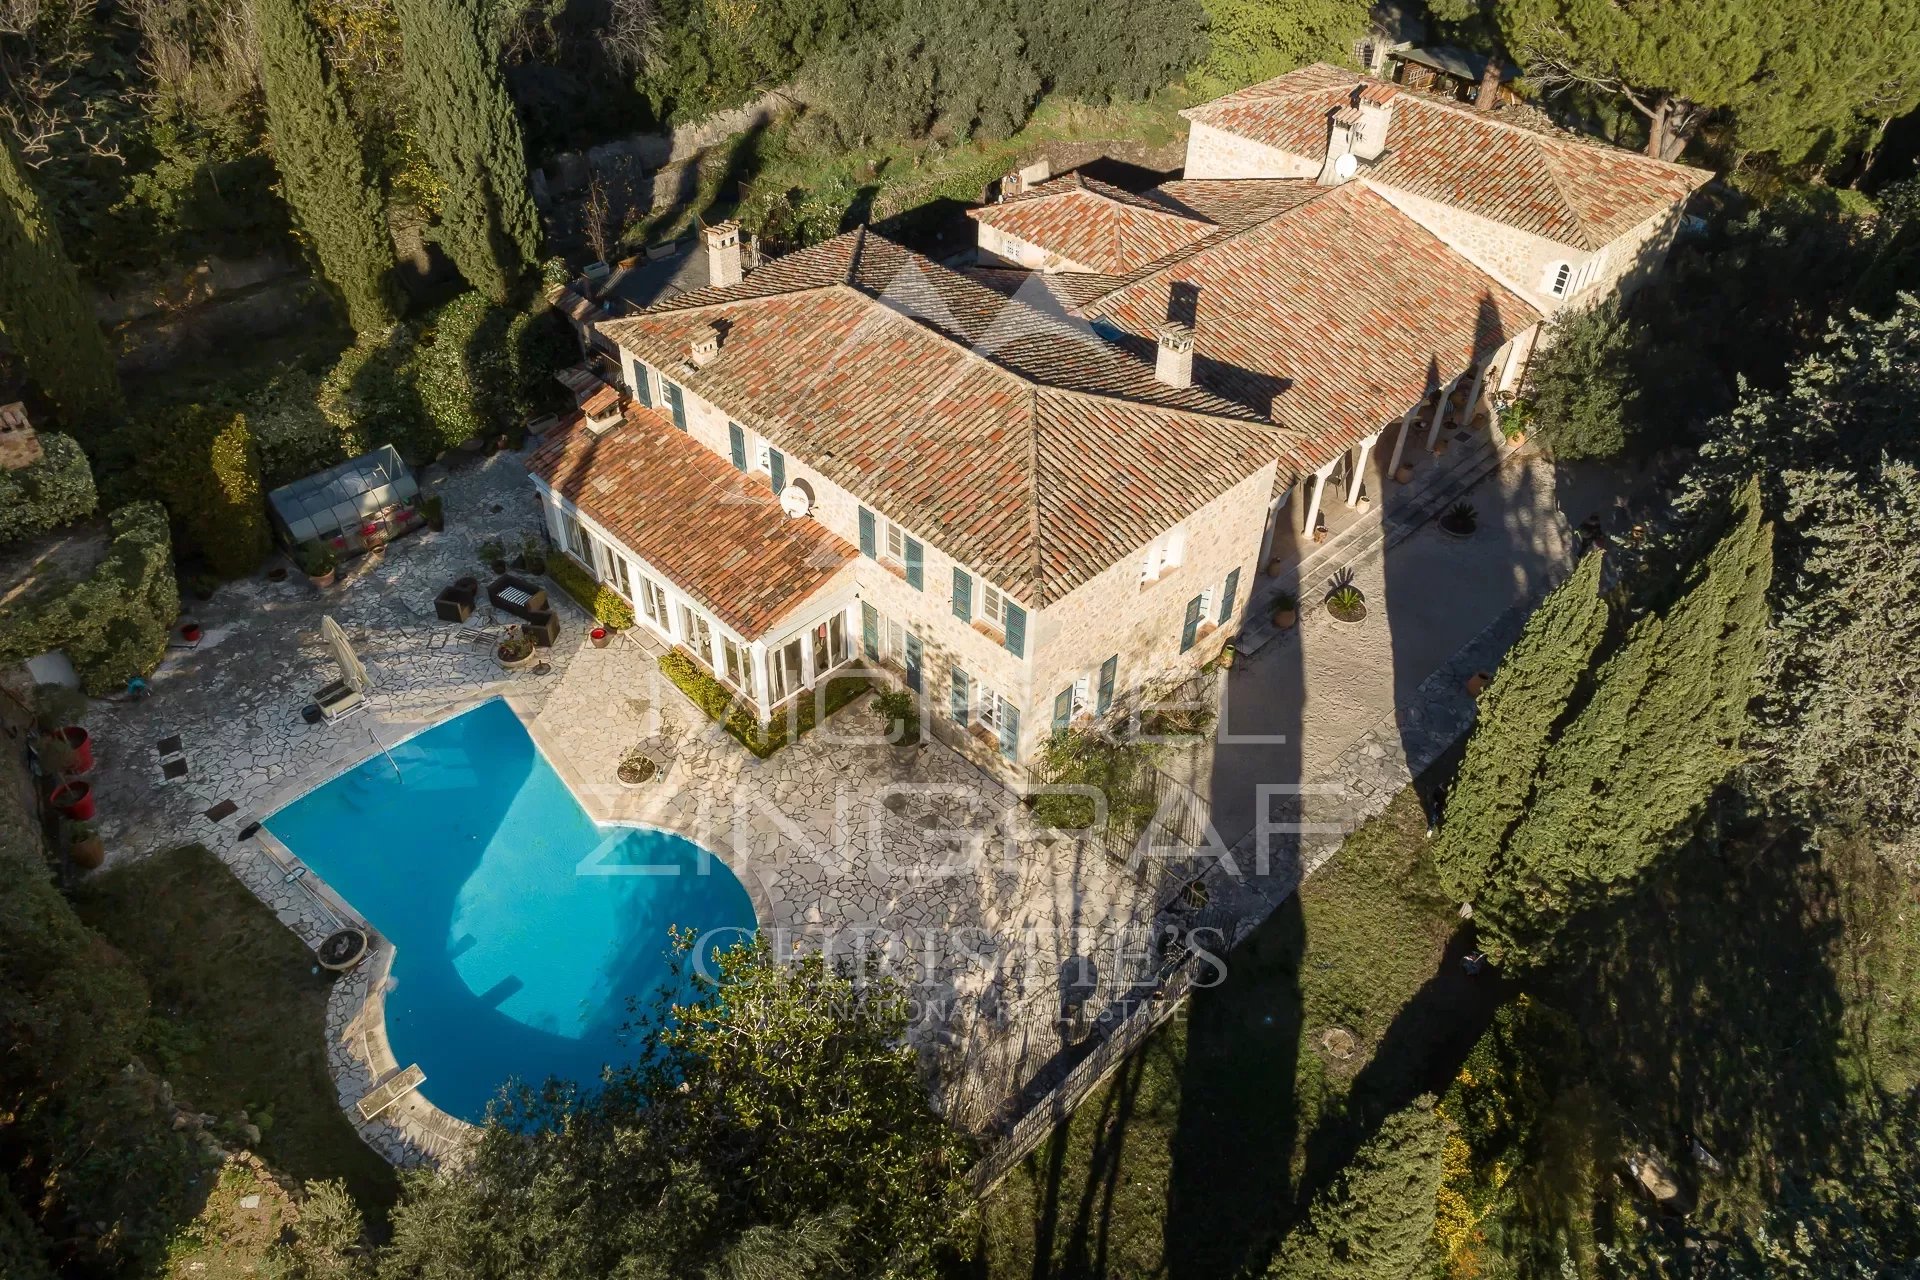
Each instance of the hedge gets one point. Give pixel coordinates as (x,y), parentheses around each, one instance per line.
(369,399)
(596,598)
(46,494)
(734,711)
(114,622)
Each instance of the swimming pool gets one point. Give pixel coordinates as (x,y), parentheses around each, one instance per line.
(521,926)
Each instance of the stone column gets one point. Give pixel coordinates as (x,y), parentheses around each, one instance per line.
(1319,490)
(1360,468)
(1440,413)
(1519,351)
(1400,444)
(757,654)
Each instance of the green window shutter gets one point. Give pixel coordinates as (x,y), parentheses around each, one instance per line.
(1227,593)
(737,441)
(868,540)
(913,662)
(777,468)
(1108,670)
(1192,626)
(1063,708)
(1009,731)
(961,696)
(962,595)
(677,405)
(1016,630)
(870,629)
(916,564)
(643,384)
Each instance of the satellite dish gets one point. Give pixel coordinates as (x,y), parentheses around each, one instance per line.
(796,500)
(1346,166)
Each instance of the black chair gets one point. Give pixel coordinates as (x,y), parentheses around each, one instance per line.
(455,604)
(543,628)
(517,596)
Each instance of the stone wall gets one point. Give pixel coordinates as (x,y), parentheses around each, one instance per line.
(1215,153)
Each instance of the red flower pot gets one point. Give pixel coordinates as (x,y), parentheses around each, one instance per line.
(599,637)
(74,800)
(190,632)
(82,743)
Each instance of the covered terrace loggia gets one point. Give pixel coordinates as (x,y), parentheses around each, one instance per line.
(706,556)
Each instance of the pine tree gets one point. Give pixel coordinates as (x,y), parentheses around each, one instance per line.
(1663,728)
(1518,716)
(317,149)
(1376,1222)
(472,138)
(44,309)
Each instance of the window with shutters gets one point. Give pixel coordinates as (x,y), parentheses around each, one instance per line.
(1228,590)
(643,384)
(737,445)
(1109,674)
(896,542)
(676,403)
(993,605)
(1163,554)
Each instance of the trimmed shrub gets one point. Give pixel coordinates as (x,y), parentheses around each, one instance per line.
(460,371)
(54,491)
(201,462)
(293,437)
(368,398)
(596,598)
(114,622)
(734,711)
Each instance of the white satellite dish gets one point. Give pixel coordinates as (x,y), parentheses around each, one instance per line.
(795,500)
(1346,166)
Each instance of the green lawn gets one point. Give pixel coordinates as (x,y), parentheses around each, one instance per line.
(238,1013)
(1228,1119)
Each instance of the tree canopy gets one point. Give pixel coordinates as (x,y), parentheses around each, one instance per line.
(1376,1222)
(1794,77)
(778,1127)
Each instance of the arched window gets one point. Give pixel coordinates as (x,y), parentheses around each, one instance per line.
(1559,278)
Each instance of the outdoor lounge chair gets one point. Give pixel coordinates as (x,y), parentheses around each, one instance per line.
(517,596)
(542,628)
(455,604)
(338,700)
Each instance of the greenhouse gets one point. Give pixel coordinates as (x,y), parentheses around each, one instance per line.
(362,502)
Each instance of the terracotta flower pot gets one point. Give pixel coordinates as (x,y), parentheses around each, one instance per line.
(1405,474)
(74,800)
(88,853)
(1477,683)
(323,580)
(82,744)
(599,637)
(1440,447)
(1285,618)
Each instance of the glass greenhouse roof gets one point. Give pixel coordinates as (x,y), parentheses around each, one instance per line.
(342,496)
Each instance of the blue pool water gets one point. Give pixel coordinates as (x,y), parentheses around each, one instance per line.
(522,927)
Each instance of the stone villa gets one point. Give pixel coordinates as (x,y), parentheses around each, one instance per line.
(1033,485)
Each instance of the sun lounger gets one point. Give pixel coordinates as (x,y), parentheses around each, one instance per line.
(338,700)
(390,1091)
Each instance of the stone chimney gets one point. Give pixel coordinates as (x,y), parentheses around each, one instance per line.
(1174,363)
(1487,97)
(723,254)
(705,348)
(1011,184)
(1376,113)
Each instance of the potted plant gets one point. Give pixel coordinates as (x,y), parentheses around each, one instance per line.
(493,555)
(899,713)
(1404,473)
(85,848)
(317,561)
(1286,610)
(373,534)
(434,508)
(343,949)
(1276,567)
(1346,604)
(1515,414)
(56,755)
(1478,681)
(1460,520)
(533,555)
(190,632)
(74,799)
(599,636)
(516,652)
(636,768)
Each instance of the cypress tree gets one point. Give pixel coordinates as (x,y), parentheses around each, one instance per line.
(1376,1221)
(1626,780)
(322,171)
(1518,716)
(472,138)
(44,309)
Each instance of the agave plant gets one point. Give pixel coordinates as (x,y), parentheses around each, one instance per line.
(1461,517)
(1346,599)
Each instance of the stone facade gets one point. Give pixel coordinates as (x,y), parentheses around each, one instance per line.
(998,249)
(1215,153)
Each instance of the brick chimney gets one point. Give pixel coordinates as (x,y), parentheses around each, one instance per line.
(1173,365)
(705,348)
(1488,95)
(723,254)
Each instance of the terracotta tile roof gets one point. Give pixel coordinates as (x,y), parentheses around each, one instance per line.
(1501,165)
(1001,430)
(1346,305)
(719,535)
(1097,226)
